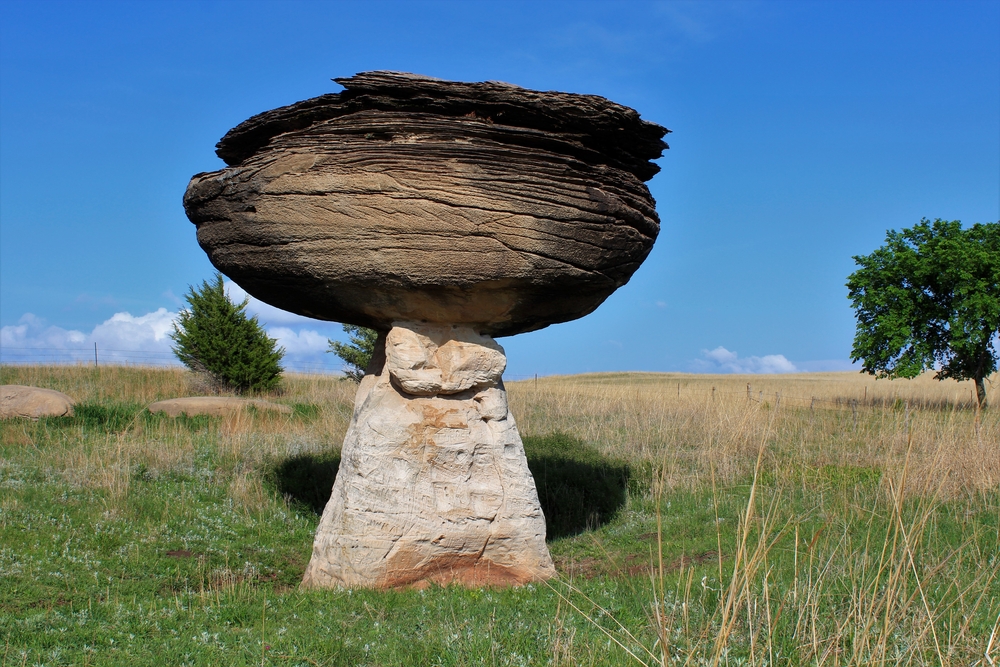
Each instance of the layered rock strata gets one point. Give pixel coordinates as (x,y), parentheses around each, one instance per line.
(411,198)
(433,483)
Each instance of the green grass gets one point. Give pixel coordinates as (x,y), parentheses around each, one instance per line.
(132,539)
(578,487)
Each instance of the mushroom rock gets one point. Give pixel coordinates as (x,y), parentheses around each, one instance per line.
(441,214)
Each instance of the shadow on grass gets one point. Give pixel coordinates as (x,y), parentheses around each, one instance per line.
(305,480)
(579,489)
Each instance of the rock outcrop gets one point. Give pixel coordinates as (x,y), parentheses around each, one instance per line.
(433,484)
(441,214)
(33,402)
(409,198)
(213,406)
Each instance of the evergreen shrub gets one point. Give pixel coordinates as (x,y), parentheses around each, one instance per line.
(215,337)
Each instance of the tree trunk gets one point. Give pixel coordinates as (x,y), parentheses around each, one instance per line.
(981,391)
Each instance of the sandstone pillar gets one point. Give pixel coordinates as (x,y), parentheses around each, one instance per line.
(433,483)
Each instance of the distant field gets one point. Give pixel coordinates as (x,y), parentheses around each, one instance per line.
(815,519)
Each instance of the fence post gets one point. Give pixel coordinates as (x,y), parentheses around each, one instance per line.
(95,355)
(854,409)
(749,396)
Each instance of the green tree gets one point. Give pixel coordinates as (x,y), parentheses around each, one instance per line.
(358,353)
(930,299)
(214,336)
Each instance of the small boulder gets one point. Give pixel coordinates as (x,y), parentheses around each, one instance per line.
(213,406)
(33,402)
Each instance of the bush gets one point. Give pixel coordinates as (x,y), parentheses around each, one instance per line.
(358,353)
(215,337)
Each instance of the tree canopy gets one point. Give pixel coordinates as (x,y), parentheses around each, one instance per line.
(214,336)
(358,353)
(930,299)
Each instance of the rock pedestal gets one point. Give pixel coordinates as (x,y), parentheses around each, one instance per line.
(433,484)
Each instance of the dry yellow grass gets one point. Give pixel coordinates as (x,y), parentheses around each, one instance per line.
(692,424)
(688,425)
(86,383)
(244,439)
(922,438)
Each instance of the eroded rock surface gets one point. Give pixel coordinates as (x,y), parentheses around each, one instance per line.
(407,198)
(426,360)
(433,483)
(33,402)
(213,406)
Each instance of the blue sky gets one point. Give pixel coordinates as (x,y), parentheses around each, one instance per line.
(802,131)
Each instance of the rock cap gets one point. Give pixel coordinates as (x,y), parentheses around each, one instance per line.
(408,198)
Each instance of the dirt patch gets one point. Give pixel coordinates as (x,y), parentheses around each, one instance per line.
(465,570)
(181,553)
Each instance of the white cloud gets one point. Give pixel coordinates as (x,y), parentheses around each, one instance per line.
(122,337)
(149,332)
(305,342)
(30,331)
(721,360)
(145,339)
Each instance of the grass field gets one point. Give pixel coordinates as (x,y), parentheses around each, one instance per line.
(819,519)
